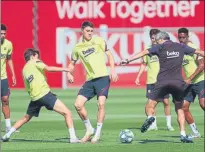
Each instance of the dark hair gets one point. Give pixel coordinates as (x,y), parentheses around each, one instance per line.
(30,52)
(162,35)
(153,32)
(183,30)
(3,27)
(86,24)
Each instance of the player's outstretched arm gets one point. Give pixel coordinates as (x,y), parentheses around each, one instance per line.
(111,60)
(141,70)
(199,69)
(135,57)
(55,69)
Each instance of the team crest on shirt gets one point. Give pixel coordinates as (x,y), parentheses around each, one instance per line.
(185,62)
(5,48)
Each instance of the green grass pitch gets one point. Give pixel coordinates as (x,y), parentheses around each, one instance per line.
(124,110)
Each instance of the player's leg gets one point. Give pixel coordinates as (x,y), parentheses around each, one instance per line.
(167,111)
(150,109)
(85,93)
(189,119)
(189,98)
(199,89)
(5,92)
(32,110)
(148,92)
(101,86)
(16,126)
(157,93)
(153,126)
(178,97)
(59,107)
(180,116)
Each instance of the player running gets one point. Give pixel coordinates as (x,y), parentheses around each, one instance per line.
(193,67)
(169,79)
(39,91)
(91,52)
(152,62)
(6,56)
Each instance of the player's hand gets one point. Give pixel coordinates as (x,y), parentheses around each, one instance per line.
(13,80)
(187,81)
(70,78)
(124,62)
(114,76)
(137,81)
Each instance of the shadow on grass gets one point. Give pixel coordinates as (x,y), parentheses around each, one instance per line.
(134,128)
(169,136)
(59,140)
(156,141)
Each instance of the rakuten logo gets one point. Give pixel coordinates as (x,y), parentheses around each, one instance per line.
(136,11)
(172,54)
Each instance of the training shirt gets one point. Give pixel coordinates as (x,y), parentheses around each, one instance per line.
(170,56)
(190,65)
(35,79)
(92,55)
(6,49)
(152,63)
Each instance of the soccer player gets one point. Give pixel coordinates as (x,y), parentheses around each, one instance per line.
(6,56)
(152,62)
(169,79)
(39,92)
(91,52)
(193,67)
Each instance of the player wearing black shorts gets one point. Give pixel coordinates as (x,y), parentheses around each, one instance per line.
(169,79)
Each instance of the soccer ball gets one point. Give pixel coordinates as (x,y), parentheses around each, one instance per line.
(126,136)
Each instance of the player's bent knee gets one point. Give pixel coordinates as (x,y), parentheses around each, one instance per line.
(5,103)
(151,104)
(67,113)
(5,100)
(27,118)
(78,106)
(101,105)
(186,109)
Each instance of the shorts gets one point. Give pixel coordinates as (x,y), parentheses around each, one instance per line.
(48,101)
(194,90)
(149,90)
(174,87)
(99,86)
(5,91)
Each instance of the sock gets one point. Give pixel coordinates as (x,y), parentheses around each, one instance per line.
(8,123)
(149,117)
(88,125)
(183,133)
(98,130)
(155,121)
(11,131)
(193,128)
(72,133)
(168,119)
